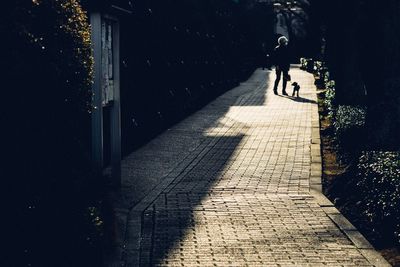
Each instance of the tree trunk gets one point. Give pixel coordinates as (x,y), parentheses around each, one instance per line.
(381,71)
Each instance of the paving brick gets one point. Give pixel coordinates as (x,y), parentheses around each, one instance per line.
(241,188)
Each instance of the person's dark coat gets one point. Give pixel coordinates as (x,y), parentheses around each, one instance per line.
(282,57)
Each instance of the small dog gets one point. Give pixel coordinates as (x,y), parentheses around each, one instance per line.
(296,88)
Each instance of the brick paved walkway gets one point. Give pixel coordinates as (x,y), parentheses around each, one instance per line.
(232,186)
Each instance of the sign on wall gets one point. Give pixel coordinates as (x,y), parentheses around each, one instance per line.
(106,93)
(107,60)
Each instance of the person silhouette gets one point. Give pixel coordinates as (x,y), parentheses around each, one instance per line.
(282,64)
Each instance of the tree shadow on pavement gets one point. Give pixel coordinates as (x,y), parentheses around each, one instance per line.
(299,99)
(145,169)
(171,220)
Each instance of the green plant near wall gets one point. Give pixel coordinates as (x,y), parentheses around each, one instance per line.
(379,183)
(329,100)
(52,66)
(47,113)
(52,70)
(348,117)
(349,122)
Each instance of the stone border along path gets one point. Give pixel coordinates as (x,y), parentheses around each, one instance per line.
(237,184)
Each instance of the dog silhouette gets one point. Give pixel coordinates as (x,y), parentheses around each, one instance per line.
(296,88)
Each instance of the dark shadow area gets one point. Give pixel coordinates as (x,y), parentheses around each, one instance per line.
(49,192)
(174,147)
(177,56)
(173,210)
(299,99)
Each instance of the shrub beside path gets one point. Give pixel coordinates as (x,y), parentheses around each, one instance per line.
(237,184)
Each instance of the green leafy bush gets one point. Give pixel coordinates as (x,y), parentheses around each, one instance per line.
(307,64)
(303,63)
(47,114)
(348,121)
(327,77)
(348,117)
(349,124)
(318,65)
(379,182)
(319,72)
(329,100)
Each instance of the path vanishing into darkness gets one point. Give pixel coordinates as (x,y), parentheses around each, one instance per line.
(236,184)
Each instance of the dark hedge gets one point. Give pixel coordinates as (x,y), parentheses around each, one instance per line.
(379,183)
(46,177)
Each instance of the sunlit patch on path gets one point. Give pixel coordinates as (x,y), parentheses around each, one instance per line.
(236,191)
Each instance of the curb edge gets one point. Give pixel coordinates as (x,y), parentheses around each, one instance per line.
(359,241)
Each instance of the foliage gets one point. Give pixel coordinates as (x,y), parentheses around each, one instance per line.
(47,113)
(349,124)
(303,63)
(348,121)
(317,66)
(379,182)
(353,45)
(307,64)
(329,99)
(365,66)
(348,117)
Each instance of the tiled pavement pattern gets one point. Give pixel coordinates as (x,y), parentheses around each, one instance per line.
(238,194)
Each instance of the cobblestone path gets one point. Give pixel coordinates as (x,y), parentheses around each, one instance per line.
(236,188)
